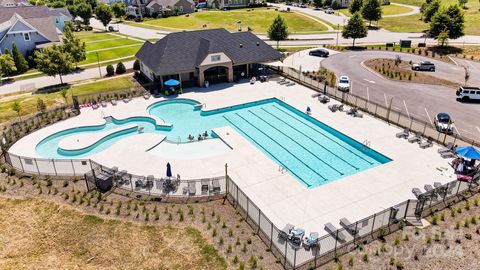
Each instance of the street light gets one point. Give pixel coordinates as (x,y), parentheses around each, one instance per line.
(98,62)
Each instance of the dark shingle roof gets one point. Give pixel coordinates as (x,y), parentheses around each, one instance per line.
(184,51)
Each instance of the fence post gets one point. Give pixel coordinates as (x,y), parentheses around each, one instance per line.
(131,182)
(36,164)
(373,224)
(355,234)
(271,235)
(294,258)
(424,128)
(21,164)
(54,168)
(406,209)
(376,107)
(73,167)
(285,256)
(258,230)
(336,241)
(445,193)
(458,189)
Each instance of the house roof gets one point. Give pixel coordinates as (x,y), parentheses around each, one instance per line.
(60,11)
(165,3)
(39,17)
(184,51)
(14,2)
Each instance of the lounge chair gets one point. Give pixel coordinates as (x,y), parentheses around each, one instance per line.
(296,235)
(139,183)
(333,107)
(352,111)
(159,184)
(285,232)
(447,155)
(332,230)
(350,227)
(311,241)
(103,103)
(282,80)
(357,114)
(418,193)
(146,95)
(340,108)
(324,99)
(192,189)
(429,188)
(113,101)
(404,134)
(316,95)
(95,106)
(126,99)
(253,80)
(290,84)
(426,144)
(205,186)
(448,148)
(415,138)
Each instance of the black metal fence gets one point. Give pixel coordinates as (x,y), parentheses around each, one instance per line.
(388,114)
(344,240)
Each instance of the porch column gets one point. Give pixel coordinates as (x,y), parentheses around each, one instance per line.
(180,80)
(201,77)
(230,74)
(248,70)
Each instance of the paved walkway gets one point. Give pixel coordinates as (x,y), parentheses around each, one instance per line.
(329,28)
(415,10)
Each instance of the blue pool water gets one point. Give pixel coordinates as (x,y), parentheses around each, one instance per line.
(311,151)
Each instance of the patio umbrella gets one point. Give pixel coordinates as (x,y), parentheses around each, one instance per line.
(469,152)
(169,170)
(325,88)
(172,82)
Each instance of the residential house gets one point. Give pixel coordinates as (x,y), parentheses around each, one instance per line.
(159,6)
(193,57)
(237,3)
(31,27)
(14,3)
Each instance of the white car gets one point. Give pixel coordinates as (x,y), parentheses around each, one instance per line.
(344,84)
(444,123)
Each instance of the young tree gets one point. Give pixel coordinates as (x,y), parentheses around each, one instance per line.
(278,30)
(41,107)
(450,20)
(318,3)
(7,65)
(20,63)
(54,61)
(64,94)
(104,14)
(73,45)
(355,28)
(119,9)
(355,5)
(462,3)
(372,11)
(84,11)
(17,107)
(430,10)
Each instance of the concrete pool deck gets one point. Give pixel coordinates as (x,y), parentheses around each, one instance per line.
(279,195)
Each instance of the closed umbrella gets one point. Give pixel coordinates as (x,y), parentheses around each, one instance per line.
(325,88)
(469,152)
(169,170)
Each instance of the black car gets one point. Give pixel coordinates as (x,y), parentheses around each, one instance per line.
(319,52)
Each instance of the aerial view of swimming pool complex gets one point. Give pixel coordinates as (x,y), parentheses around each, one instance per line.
(309,150)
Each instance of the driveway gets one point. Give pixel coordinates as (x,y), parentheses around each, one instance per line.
(420,100)
(303,61)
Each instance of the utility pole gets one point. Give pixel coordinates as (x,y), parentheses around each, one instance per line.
(98,63)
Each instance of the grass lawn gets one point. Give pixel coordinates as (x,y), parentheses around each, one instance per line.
(92,36)
(111,43)
(387,10)
(258,20)
(28,101)
(47,235)
(412,24)
(110,54)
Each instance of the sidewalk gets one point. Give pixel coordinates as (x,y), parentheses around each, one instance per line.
(38,82)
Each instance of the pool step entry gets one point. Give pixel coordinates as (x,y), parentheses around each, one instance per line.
(282,169)
(366,144)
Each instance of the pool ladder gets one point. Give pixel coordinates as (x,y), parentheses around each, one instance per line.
(366,144)
(282,169)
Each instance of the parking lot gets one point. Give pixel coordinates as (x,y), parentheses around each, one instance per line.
(421,101)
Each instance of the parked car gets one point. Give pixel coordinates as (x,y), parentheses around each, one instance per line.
(467,93)
(112,29)
(344,84)
(443,123)
(319,52)
(288,3)
(329,11)
(302,6)
(424,65)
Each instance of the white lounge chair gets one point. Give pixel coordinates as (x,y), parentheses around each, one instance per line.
(415,138)
(404,134)
(426,144)
(113,101)
(333,231)
(447,148)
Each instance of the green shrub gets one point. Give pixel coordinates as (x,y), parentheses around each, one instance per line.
(110,70)
(136,65)
(120,68)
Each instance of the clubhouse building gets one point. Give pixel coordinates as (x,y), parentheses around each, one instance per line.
(195,57)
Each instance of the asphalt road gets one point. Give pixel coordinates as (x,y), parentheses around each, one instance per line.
(420,100)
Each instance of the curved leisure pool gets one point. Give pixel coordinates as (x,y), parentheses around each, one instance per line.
(311,151)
